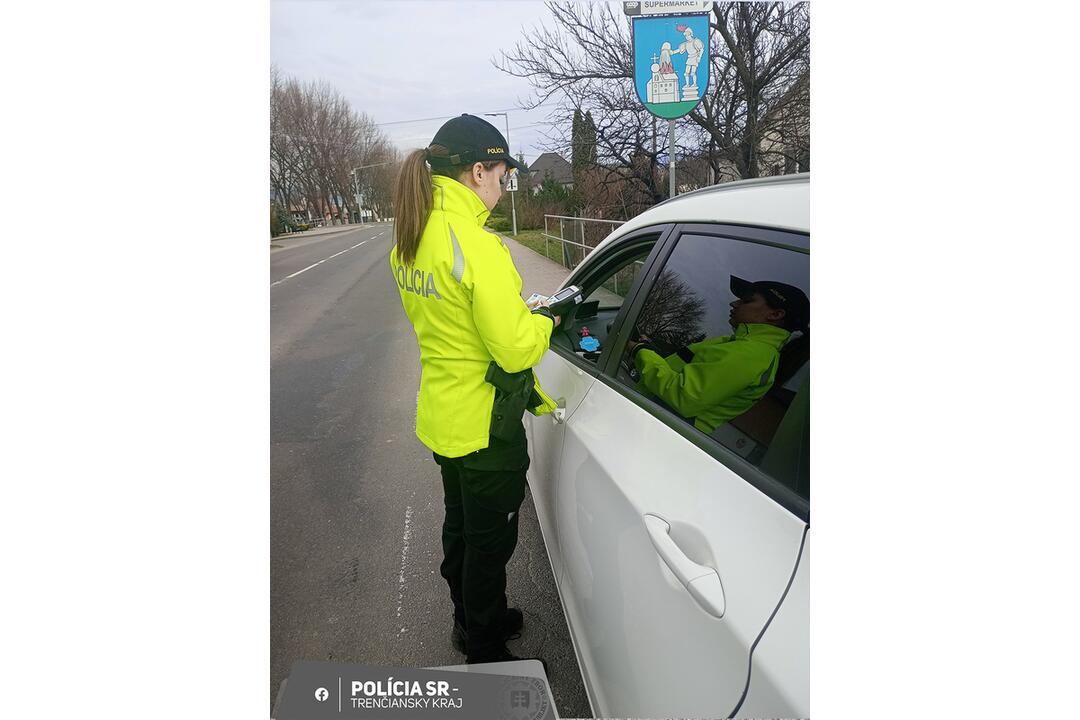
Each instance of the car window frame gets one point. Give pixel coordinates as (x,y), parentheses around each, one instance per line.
(597,263)
(789,240)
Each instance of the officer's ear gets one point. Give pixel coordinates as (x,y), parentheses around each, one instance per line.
(470,175)
(776,317)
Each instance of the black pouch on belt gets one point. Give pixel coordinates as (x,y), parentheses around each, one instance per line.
(513,391)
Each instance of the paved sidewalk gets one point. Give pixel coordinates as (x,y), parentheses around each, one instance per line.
(538,273)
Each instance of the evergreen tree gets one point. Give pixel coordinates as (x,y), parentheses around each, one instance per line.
(524,179)
(577,147)
(577,158)
(588,133)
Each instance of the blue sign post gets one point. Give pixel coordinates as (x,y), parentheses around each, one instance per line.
(671,67)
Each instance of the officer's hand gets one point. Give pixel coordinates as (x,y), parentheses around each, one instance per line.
(558,319)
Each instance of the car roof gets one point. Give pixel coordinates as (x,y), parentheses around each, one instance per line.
(781,202)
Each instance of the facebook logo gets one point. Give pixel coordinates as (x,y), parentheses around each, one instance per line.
(322,694)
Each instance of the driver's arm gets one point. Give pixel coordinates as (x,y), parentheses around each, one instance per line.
(696,387)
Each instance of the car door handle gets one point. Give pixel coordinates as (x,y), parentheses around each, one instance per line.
(558,415)
(701,581)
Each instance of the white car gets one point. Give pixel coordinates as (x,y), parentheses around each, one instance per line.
(681,557)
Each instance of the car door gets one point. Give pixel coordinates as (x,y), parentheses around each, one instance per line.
(678,546)
(567,372)
(779,681)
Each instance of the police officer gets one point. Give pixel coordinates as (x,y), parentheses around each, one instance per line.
(720,378)
(461,292)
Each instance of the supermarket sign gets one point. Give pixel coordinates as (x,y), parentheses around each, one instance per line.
(666,7)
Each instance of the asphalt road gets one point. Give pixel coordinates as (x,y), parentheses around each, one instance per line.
(355,498)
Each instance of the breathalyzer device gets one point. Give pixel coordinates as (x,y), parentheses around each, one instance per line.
(563,300)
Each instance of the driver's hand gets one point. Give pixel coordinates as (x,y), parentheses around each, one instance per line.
(558,319)
(633,344)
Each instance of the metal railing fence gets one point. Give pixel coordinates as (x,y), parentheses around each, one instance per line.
(584,235)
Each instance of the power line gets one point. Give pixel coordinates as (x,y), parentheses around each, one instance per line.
(352,145)
(447,117)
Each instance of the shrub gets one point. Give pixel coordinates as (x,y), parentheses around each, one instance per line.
(277,222)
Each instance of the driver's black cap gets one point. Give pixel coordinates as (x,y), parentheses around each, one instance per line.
(471,139)
(779,296)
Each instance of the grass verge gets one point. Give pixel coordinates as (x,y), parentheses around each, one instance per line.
(534,240)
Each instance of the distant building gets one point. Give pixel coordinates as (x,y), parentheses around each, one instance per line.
(785,147)
(550,165)
(695,171)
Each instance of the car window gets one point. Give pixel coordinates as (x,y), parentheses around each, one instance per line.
(744,386)
(605,287)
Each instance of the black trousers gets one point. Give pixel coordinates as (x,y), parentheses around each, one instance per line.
(482,493)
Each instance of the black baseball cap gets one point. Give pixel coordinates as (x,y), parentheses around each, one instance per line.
(779,296)
(471,139)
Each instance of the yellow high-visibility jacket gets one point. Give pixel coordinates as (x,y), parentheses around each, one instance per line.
(725,376)
(463,297)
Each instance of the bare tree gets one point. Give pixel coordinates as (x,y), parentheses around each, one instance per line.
(284,170)
(377,181)
(760,87)
(672,313)
(755,108)
(317,141)
(585,62)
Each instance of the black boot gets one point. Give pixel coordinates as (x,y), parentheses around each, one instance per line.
(498,653)
(510,626)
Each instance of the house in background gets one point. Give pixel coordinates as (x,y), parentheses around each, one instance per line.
(695,171)
(550,165)
(785,146)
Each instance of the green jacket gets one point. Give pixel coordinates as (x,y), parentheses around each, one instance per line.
(463,297)
(724,378)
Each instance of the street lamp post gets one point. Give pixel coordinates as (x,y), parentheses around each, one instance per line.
(356,182)
(356,194)
(513,206)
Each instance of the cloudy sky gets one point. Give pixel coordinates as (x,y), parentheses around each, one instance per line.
(411,65)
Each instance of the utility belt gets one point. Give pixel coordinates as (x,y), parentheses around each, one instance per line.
(514,394)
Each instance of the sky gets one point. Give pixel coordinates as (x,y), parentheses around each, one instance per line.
(407,61)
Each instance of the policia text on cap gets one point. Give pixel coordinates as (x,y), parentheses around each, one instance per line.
(478,342)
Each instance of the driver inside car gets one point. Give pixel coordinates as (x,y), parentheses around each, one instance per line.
(712,381)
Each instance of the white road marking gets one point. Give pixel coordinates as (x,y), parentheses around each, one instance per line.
(404,556)
(318,263)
